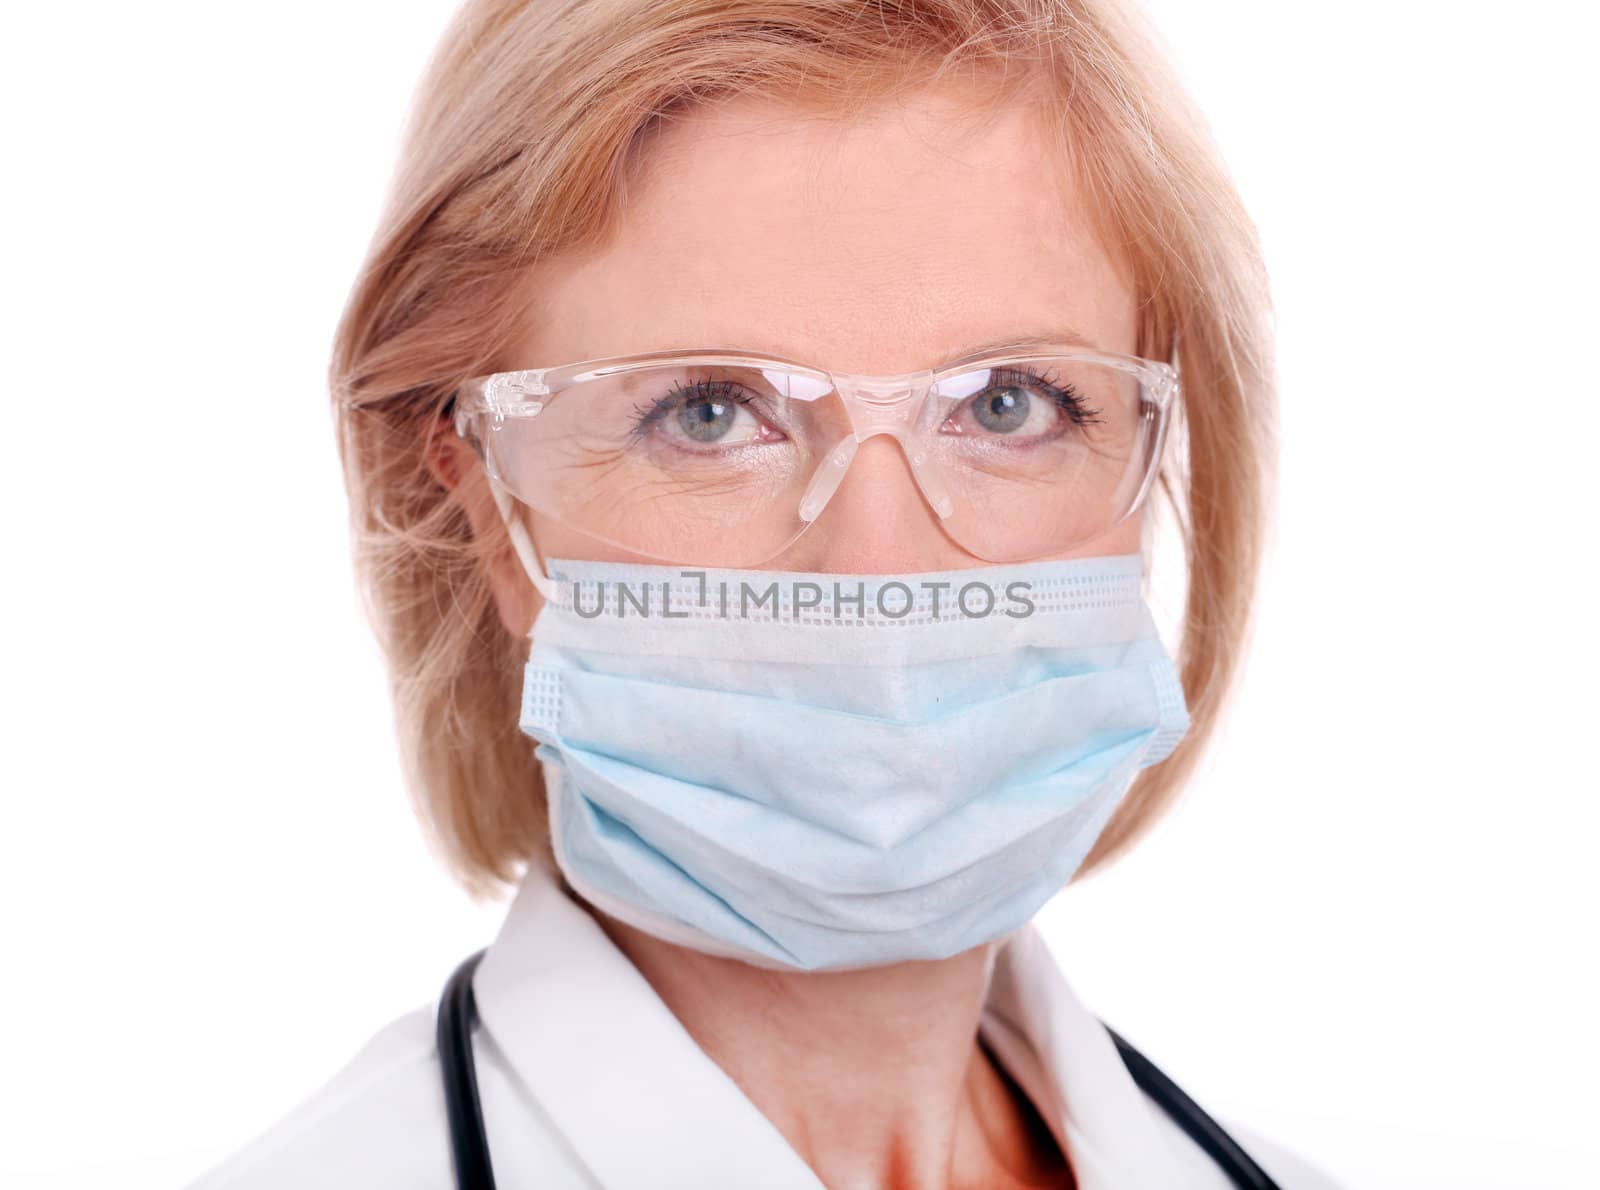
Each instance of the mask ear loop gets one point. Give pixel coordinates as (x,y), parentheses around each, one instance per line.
(527,554)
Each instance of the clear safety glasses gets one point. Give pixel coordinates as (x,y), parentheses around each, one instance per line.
(724,458)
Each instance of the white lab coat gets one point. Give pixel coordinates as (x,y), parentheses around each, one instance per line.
(588,1080)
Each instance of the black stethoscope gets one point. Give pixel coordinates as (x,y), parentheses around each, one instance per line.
(469,1146)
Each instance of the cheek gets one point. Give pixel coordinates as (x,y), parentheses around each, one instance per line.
(554,540)
(1122,539)
(1125,538)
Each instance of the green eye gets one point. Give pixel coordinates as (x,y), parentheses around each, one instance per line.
(706,419)
(1005,411)
(703,411)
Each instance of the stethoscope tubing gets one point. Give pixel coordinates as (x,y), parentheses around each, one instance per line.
(469,1143)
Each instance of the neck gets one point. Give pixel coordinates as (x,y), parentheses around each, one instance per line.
(875,1077)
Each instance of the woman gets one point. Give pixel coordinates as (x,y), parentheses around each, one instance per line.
(711,345)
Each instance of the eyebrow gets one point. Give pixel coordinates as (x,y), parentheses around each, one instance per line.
(1064,336)
(1061,336)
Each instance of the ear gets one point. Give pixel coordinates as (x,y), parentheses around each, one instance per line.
(459,470)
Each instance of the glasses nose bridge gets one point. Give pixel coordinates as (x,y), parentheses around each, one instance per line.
(882,404)
(876,405)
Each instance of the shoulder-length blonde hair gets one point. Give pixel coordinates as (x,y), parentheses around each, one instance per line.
(530,119)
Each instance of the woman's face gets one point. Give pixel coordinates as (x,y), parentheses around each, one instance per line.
(896,242)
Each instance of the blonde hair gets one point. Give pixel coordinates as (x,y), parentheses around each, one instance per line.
(528,123)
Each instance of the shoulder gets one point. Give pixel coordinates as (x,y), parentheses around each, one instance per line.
(1287,1168)
(379,1121)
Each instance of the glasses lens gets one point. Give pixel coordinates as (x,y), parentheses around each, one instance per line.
(694,464)
(1041,454)
(708,464)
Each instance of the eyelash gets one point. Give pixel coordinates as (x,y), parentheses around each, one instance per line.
(1065,397)
(647,414)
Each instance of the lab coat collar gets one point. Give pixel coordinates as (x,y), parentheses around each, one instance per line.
(635,1095)
(1066,1062)
(643,1105)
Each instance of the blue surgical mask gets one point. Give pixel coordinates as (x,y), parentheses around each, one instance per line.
(825,771)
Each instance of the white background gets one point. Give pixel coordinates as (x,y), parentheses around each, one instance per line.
(1367,933)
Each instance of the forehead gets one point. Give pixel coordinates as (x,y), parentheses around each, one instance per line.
(890,240)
